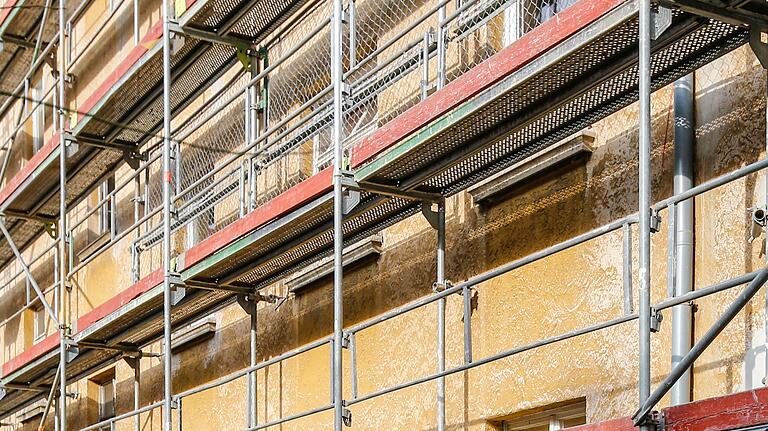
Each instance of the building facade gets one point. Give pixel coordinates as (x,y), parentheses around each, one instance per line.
(492,248)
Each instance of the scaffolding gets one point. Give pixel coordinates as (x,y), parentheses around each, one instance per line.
(399,104)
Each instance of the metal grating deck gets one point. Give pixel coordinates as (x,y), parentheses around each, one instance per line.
(22,22)
(38,194)
(245,19)
(558,94)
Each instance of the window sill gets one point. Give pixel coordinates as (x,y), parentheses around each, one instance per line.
(97,244)
(500,184)
(31,414)
(193,334)
(299,280)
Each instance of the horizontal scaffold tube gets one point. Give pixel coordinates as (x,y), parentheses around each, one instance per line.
(662,305)
(107,422)
(719,287)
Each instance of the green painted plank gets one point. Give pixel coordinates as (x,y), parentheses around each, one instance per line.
(407,145)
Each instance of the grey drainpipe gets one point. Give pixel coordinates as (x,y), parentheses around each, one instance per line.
(682,315)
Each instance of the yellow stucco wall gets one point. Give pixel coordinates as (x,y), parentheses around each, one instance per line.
(569,290)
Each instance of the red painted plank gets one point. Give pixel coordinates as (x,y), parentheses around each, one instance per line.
(152,37)
(38,349)
(113,304)
(481,77)
(51,342)
(122,298)
(7,9)
(284,203)
(28,168)
(739,410)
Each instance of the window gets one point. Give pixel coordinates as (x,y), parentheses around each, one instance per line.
(38,115)
(359,123)
(512,22)
(200,228)
(107,399)
(85,26)
(548,8)
(553,418)
(105,211)
(40,322)
(102,395)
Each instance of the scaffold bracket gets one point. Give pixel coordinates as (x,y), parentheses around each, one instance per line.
(351,200)
(129,351)
(29,217)
(662,20)
(385,190)
(133,158)
(178,288)
(72,352)
(208,36)
(16,40)
(431,214)
(249,298)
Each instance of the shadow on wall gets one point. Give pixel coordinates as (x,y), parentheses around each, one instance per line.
(551,210)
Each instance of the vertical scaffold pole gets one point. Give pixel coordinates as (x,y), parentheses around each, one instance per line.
(440,48)
(644,155)
(62,230)
(167,183)
(765,306)
(338,235)
(441,317)
(252,382)
(439,83)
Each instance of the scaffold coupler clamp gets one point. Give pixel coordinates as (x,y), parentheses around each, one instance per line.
(655,419)
(655,221)
(656,319)
(346,96)
(440,287)
(178,288)
(72,349)
(351,194)
(346,416)
(174,278)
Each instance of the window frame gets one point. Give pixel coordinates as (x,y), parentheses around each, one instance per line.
(106,217)
(39,323)
(512,15)
(38,115)
(107,388)
(552,416)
